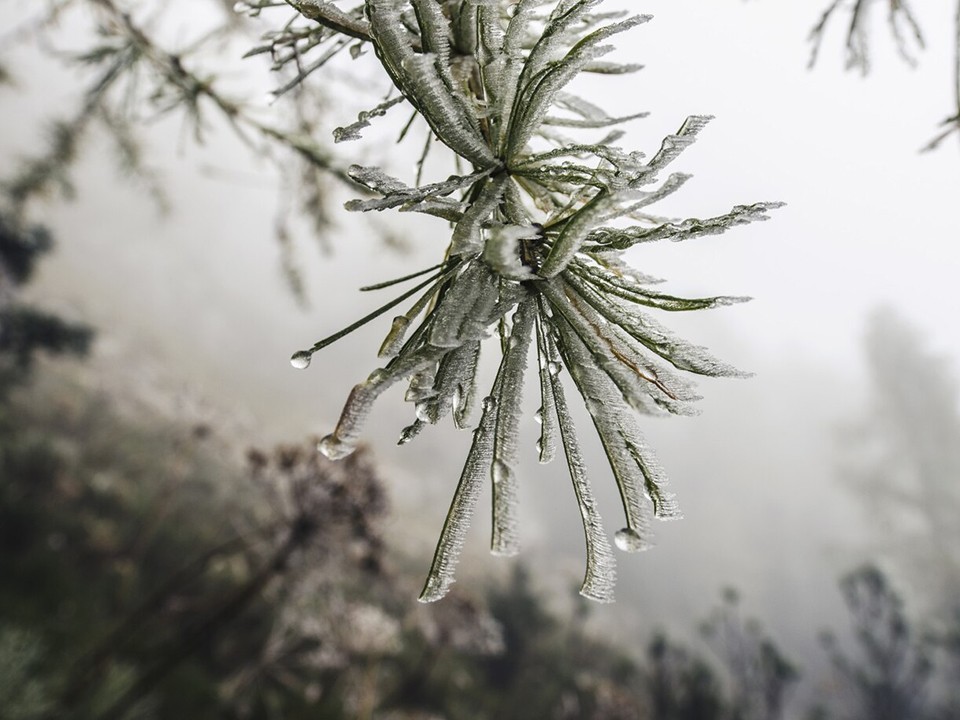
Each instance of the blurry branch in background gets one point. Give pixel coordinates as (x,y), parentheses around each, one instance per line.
(907,36)
(292,607)
(96,517)
(24,692)
(318,507)
(902,459)
(681,685)
(25,330)
(134,79)
(903,26)
(761,676)
(889,678)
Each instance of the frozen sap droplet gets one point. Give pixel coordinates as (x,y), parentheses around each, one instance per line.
(629,540)
(301,360)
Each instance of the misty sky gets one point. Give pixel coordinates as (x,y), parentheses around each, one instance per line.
(197,298)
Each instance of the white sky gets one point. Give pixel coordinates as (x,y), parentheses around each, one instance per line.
(869,220)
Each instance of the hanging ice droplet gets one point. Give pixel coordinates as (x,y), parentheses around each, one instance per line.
(629,540)
(538,416)
(301,360)
(553,368)
(410,432)
(489,404)
(333,448)
(500,472)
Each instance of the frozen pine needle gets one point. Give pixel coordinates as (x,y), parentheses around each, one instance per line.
(539,224)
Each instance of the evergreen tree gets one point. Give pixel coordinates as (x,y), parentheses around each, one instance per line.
(903,457)
(25,330)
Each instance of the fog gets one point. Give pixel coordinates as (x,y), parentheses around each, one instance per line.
(191,307)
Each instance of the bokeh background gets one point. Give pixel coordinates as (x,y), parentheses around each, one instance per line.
(842,450)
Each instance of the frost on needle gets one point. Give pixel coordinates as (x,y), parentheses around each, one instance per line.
(539,225)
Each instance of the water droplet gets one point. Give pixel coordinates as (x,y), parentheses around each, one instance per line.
(489,404)
(240,7)
(554,368)
(538,416)
(629,540)
(333,448)
(301,360)
(355,50)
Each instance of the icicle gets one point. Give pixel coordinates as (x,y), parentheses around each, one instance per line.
(397,194)
(623,238)
(394,339)
(508,74)
(443,107)
(673,145)
(546,445)
(409,433)
(531,106)
(649,386)
(639,475)
(600,576)
(343,440)
(456,368)
(466,309)
(457,522)
(504,540)
(466,394)
(352,131)
(649,333)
